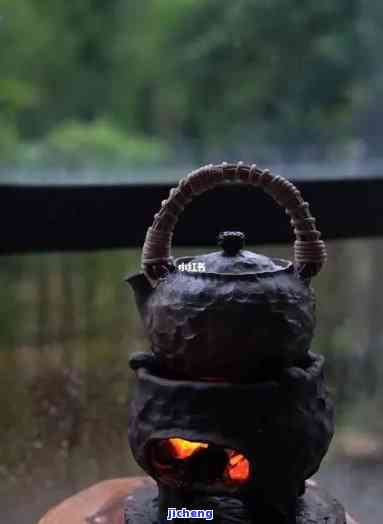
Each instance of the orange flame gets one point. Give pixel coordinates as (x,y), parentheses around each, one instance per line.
(238,468)
(183,449)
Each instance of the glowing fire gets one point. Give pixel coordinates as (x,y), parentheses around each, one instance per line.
(183,449)
(236,470)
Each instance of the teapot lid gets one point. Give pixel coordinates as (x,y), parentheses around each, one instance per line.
(232,259)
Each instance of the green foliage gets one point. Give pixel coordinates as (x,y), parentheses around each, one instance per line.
(282,69)
(76,145)
(211,73)
(8,141)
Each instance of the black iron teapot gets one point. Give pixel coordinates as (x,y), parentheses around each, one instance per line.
(231,315)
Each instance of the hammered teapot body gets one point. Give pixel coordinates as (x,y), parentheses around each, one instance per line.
(231,314)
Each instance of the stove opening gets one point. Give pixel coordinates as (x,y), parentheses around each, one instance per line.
(181,461)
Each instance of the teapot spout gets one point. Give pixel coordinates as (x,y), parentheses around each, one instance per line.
(142,290)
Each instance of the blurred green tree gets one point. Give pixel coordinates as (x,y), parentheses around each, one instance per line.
(211,73)
(282,69)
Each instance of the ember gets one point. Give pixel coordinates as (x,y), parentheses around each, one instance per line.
(238,468)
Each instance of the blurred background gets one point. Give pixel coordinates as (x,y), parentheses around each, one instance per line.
(139,91)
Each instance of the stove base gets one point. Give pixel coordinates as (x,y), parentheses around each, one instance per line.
(315,507)
(133,501)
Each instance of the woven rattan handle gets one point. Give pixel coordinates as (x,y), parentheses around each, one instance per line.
(309,250)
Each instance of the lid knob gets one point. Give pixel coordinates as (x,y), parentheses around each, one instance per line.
(231,242)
